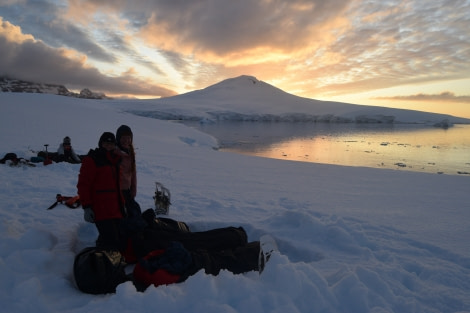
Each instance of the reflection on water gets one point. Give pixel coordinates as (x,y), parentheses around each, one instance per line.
(406,147)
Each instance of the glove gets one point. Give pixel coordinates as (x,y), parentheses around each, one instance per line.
(88,214)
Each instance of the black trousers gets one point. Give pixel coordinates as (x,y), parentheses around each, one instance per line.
(213,250)
(111,235)
(132,207)
(212,240)
(238,260)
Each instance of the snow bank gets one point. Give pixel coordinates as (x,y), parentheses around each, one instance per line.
(350,239)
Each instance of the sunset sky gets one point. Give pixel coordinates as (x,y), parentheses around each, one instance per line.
(411,54)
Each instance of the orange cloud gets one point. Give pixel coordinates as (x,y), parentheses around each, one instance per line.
(29,59)
(13,33)
(267,34)
(443,96)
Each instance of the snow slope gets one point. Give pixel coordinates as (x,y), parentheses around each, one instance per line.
(350,239)
(248,99)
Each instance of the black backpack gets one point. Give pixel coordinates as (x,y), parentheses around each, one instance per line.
(99,271)
(164,223)
(9,157)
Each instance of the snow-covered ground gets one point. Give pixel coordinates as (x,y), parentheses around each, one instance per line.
(351,239)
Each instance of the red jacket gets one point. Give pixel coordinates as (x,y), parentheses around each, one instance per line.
(98,184)
(157,278)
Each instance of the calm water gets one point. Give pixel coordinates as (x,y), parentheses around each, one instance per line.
(402,147)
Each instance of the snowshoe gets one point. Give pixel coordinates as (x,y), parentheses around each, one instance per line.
(267,247)
(162,199)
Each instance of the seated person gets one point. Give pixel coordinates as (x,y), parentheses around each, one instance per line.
(65,153)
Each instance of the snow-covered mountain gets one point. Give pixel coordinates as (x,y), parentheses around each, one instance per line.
(245,98)
(16,85)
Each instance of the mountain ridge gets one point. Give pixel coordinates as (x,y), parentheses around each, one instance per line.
(245,98)
(21,86)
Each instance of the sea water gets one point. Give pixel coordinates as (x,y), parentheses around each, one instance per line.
(413,147)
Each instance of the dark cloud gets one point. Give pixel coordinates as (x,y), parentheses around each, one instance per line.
(444,96)
(223,27)
(34,61)
(179,61)
(393,44)
(150,65)
(75,38)
(43,19)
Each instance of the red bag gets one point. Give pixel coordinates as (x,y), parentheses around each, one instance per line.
(157,278)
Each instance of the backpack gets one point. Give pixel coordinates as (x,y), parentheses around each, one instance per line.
(98,271)
(163,267)
(155,234)
(9,157)
(14,160)
(164,223)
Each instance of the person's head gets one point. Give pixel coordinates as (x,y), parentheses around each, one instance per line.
(66,141)
(107,141)
(124,136)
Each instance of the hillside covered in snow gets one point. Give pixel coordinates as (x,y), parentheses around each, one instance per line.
(246,98)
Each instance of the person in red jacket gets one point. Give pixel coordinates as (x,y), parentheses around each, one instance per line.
(100,193)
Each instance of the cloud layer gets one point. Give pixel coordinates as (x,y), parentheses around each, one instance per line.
(313,48)
(442,97)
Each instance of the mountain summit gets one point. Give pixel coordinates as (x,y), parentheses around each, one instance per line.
(245,98)
(241,88)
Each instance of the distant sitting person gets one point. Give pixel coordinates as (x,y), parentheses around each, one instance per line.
(65,153)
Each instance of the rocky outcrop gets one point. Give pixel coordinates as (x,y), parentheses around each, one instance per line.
(15,85)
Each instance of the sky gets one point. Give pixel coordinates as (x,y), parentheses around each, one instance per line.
(405,54)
